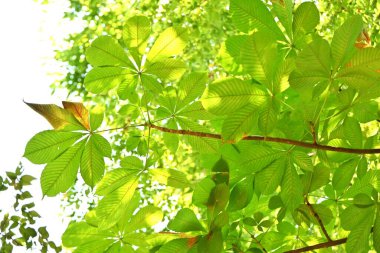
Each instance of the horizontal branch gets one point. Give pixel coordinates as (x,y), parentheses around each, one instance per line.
(319,246)
(270,139)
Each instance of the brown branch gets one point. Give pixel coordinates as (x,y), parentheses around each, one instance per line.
(319,246)
(315,214)
(270,139)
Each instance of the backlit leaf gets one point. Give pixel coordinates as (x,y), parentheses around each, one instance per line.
(185,221)
(45,146)
(58,117)
(61,173)
(170,42)
(136,32)
(92,163)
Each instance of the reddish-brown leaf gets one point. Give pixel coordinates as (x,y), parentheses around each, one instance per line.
(79,111)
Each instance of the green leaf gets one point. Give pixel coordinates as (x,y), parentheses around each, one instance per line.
(352,132)
(314,180)
(58,117)
(238,124)
(114,179)
(268,179)
(202,191)
(241,194)
(46,146)
(212,243)
(284,12)
(353,216)
(291,188)
(102,145)
(102,79)
(131,162)
(170,177)
(363,200)
(259,57)
(267,118)
(306,18)
(170,42)
(303,160)
(92,163)
(185,221)
(136,32)
(250,14)
(80,233)
(171,140)
(191,87)
(343,42)
(96,120)
(228,95)
(105,51)
(357,240)
(376,231)
(343,175)
(61,173)
(182,245)
(167,68)
(146,217)
(126,88)
(111,207)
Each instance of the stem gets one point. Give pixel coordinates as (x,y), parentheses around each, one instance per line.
(271,139)
(319,246)
(318,219)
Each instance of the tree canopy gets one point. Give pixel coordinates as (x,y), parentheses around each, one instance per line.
(221,126)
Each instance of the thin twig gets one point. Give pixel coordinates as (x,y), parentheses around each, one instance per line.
(256,241)
(319,246)
(315,214)
(272,139)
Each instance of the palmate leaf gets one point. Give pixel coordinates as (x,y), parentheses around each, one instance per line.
(114,179)
(167,68)
(110,208)
(170,177)
(343,42)
(170,42)
(81,233)
(268,179)
(105,51)
(376,231)
(185,221)
(305,19)
(253,158)
(228,95)
(250,14)
(92,163)
(182,245)
(238,124)
(268,116)
(260,57)
(357,240)
(344,174)
(291,188)
(45,146)
(191,87)
(194,111)
(316,179)
(102,79)
(146,217)
(136,32)
(58,117)
(241,194)
(79,111)
(284,12)
(61,173)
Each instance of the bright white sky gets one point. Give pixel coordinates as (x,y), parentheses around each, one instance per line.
(26,59)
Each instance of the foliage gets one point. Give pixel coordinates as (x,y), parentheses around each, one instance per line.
(279,154)
(18,228)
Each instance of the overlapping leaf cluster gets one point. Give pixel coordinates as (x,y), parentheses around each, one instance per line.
(284,80)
